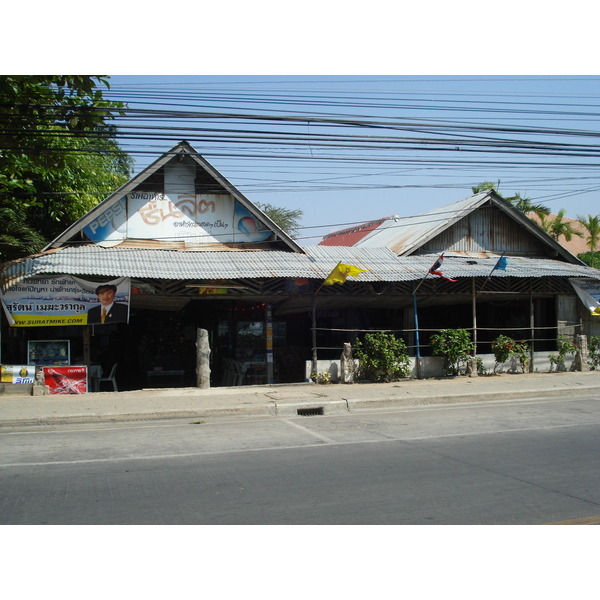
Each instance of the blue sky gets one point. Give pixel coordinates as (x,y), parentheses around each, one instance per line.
(461,52)
(343,185)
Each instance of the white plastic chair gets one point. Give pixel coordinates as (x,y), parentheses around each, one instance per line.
(111,377)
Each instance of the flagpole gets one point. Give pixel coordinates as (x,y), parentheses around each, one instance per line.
(424,278)
(488,277)
(314,362)
(417,338)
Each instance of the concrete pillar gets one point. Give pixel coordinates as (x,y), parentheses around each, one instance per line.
(202,359)
(581,358)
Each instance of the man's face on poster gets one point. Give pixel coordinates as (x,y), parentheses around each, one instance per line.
(106,297)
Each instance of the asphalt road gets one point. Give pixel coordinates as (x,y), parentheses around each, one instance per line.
(506,462)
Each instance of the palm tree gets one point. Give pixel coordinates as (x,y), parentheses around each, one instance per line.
(592,225)
(523,205)
(560,228)
(545,223)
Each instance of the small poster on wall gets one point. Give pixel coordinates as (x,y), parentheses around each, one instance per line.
(48,352)
(17,373)
(66,380)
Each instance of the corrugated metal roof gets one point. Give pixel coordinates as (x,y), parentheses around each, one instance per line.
(350,236)
(406,236)
(402,234)
(317,263)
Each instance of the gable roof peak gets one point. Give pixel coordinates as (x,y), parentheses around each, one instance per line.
(155,179)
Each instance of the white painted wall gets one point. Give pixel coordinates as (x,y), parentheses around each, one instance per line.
(432,366)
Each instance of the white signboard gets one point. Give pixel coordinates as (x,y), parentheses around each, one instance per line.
(191,218)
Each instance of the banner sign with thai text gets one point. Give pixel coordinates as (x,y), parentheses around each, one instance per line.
(192,218)
(66,300)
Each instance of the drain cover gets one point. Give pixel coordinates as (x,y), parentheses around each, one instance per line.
(310,412)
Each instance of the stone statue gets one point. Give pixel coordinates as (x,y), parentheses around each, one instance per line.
(39,385)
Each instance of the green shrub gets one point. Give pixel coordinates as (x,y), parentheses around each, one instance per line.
(382,357)
(594,353)
(565,346)
(454,346)
(505,347)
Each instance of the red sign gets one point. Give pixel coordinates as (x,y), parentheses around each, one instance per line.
(66,380)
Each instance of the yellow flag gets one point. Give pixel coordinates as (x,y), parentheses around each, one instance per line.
(340,272)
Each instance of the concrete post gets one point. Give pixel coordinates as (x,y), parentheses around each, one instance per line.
(202,359)
(472,367)
(581,358)
(347,366)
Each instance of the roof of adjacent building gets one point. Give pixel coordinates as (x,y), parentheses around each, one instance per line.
(408,235)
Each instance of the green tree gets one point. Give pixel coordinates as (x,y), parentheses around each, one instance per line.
(591,259)
(592,226)
(287,219)
(523,205)
(58,156)
(558,227)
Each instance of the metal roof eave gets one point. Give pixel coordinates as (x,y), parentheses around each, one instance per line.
(381,265)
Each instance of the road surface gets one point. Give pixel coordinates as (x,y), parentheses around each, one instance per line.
(506,462)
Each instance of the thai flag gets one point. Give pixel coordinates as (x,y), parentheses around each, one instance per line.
(436,269)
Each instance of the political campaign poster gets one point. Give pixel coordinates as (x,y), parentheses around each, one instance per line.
(66,300)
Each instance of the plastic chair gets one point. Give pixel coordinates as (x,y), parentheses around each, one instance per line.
(111,377)
(238,372)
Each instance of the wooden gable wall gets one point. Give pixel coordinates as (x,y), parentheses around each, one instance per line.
(487,229)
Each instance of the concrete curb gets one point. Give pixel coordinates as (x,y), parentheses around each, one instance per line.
(294,408)
(368,403)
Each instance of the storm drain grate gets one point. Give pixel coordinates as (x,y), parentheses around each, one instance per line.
(310,412)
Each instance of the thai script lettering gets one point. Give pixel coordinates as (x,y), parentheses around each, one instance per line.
(154,214)
(219,224)
(56,307)
(147,196)
(19,307)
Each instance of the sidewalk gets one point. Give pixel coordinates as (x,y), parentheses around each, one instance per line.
(286,400)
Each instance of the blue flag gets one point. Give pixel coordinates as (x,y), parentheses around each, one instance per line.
(501,264)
